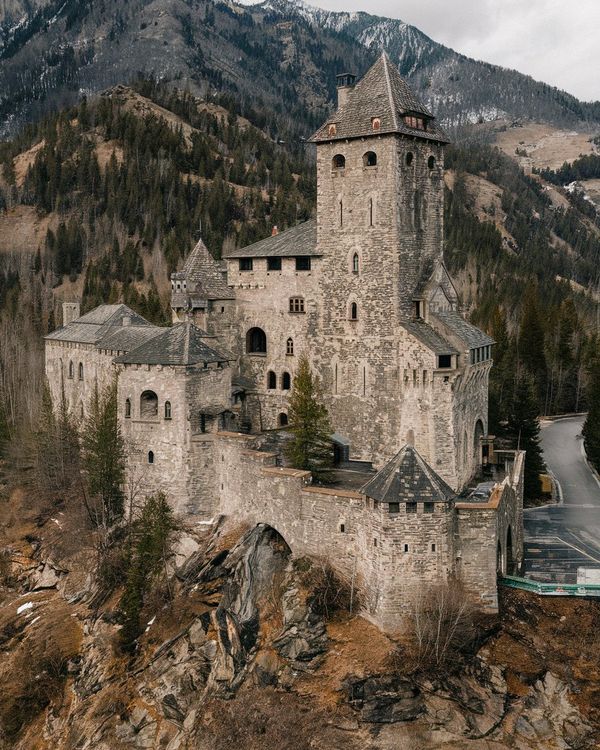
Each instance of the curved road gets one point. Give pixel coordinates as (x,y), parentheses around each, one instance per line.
(561,538)
(563,452)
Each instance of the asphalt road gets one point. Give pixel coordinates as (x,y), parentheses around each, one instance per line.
(561,538)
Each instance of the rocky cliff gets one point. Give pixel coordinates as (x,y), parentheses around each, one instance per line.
(241,654)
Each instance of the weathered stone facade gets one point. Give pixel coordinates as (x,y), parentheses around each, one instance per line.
(363,291)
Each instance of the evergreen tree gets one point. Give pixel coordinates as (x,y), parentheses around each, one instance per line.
(524,429)
(591,427)
(531,343)
(310,447)
(152,542)
(104,457)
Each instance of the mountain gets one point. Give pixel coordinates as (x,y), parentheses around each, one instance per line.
(281,53)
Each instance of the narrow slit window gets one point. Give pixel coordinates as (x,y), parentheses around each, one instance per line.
(150,457)
(355,263)
(370,212)
(353,311)
(127,408)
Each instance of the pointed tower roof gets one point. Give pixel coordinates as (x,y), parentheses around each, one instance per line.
(182,344)
(204,275)
(383,94)
(408,478)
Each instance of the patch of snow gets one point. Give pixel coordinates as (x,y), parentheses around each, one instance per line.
(35,619)
(24,607)
(150,623)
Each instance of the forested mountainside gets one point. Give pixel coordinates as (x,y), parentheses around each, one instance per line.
(102,201)
(280,54)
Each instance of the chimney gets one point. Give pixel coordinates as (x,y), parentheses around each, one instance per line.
(345,83)
(274,231)
(71,311)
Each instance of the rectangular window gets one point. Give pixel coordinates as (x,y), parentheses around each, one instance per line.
(444,361)
(394,507)
(245,264)
(303,263)
(433,547)
(406,547)
(411,507)
(296,304)
(428,507)
(273,264)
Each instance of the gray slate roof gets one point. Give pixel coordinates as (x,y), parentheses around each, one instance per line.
(299,240)
(204,275)
(182,344)
(472,336)
(101,323)
(407,478)
(383,93)
(430,338)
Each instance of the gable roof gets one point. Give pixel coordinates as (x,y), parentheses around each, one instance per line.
(382,93)
(101,323)
(407,478)
(182,344)
(298,240)
(469,334)
(204,275)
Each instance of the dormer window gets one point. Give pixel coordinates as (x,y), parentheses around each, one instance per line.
(331,128)
(376,123)
(444,361)
(417,123)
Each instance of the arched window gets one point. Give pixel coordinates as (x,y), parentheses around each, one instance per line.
(283,419)
(271,380)
(167,410)
(338,161)
(71,370)
(355,263)
(286,381)
(256,341)
(409,158)
(148,404)
(81,371)
(370,159)
(353,311)
(127,408)
(289,347)
(431,162)
(150,457)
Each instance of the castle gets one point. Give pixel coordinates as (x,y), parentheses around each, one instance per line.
(363,291)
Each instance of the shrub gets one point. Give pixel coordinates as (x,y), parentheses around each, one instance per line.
(329,592)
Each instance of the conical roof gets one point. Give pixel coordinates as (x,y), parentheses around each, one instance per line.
(182,344)
(204,275)
(381,93)
(408,478)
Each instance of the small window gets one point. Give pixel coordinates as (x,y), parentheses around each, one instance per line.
(370,212)
(444,361)
(342,528)
(431,162)
(127,408)
(355,263)
(150,457)
(428,507)
(418,309)
(370,159)
(338,162)
(303,263)
(71,370)
(409,158)
(286,381)
(167,410)
(406,547)
(222,309)
(256,341)
(271,380)
(394,507)
(203,423)
(283,419)
(374,542)
(81,371)
(289,347)
(353,311)
(245,264)
(433,547)
(148,404)
(273,264)
(296,304)
(411,507)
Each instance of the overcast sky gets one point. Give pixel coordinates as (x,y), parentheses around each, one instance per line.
(556,41)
